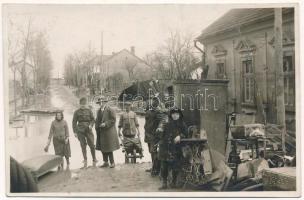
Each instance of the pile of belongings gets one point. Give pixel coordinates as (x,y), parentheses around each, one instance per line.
(218,180)
(248,131)
(249,175)
(131,143)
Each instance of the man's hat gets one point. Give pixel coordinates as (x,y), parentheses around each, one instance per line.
(82,101)
(100,100)
(176,110)
(128,103)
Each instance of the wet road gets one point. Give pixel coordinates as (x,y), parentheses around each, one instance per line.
(24,146)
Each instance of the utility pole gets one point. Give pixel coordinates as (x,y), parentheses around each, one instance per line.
(278,56)
(101,62)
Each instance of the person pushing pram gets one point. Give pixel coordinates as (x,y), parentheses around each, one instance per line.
(128,130)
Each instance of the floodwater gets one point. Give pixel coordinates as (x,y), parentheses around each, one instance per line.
(23,146)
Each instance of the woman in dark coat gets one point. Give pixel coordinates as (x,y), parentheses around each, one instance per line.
(107,138)
(169,149)
(59,131)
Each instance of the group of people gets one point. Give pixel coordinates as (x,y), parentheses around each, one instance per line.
(107,140)
(163,133)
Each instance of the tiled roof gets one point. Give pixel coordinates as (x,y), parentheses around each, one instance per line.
(125,50)
(237,17)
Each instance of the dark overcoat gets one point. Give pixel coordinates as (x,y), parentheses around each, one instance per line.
(155,118)
(107,137)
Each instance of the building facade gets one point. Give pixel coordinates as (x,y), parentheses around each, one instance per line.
(239,46)
(123,68)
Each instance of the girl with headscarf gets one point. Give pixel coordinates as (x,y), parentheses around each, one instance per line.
(59,131)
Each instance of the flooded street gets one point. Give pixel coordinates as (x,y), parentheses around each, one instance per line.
(25,145)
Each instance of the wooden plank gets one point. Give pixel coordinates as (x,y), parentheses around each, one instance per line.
(207,164)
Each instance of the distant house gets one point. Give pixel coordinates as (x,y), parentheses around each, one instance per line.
(123,68)
(239,46)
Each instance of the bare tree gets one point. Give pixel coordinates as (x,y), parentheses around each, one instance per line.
(42,62)
(18,41)
(79,68)
(29,57)
(130,65)
(174,60)
(180,57)
(159,65)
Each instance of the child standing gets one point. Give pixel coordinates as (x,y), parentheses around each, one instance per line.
(59,131)
(169,149)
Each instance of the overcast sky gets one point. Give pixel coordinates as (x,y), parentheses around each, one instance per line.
(73,27)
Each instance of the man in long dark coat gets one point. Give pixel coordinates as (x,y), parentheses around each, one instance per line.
(107,137)
(154,124)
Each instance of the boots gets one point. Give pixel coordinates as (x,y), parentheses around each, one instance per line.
(105,164)
(95,162)
(164,185)
(174,180)
(68,163)
(85,164)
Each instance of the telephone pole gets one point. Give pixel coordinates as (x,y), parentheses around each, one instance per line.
(101,63)
(278,56)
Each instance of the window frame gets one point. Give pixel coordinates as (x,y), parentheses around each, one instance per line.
(289,51)
(219,53)
(222,61)
(248,56)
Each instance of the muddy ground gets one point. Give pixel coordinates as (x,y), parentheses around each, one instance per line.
(123,178)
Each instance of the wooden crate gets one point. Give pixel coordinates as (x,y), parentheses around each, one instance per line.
(279,179)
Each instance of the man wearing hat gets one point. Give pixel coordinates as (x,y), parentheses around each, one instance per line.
(107,138)
(83,121)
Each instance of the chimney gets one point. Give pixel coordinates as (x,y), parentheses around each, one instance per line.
(132,50)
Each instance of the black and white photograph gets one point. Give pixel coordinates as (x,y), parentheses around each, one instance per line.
(151,100)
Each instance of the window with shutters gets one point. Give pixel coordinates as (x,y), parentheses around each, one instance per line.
(248,81)
(247,49)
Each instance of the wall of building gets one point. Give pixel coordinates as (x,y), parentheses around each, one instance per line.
(263,61)
(118,64)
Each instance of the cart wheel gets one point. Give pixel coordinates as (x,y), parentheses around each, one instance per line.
(126,158)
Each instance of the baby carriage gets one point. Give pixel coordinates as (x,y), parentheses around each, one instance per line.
(132,148)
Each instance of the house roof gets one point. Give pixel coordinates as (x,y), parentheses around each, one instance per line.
(238,17)
(124,50)
(104,57)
